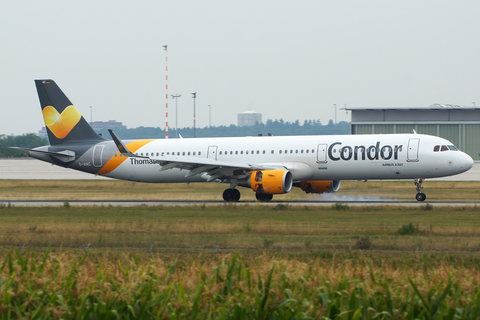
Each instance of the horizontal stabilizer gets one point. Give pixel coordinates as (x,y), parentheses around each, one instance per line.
(65,156)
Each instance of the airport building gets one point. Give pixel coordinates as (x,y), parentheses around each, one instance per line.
(249,118)
(460,125)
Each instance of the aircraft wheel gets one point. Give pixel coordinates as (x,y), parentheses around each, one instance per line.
(236,195)
(420,197)
(264,197)
(231,195)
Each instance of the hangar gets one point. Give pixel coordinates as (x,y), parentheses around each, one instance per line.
(459,124)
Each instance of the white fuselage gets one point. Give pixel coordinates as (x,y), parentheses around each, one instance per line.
(336,157)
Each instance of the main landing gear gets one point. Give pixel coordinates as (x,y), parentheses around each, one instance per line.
(231,195)
(420,195)
(263,197)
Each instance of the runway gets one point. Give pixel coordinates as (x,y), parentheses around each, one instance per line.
(129,203)
(31,169)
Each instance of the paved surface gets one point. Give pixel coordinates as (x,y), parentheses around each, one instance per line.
(28,169)
(45,203)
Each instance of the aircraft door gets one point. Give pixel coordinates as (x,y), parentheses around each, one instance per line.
(322,153)
(212,152)
(412,152)
(97,155)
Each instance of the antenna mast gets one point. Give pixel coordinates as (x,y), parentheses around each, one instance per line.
(166,91)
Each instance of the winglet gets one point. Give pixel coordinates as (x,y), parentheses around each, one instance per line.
(414,132)
(122,147)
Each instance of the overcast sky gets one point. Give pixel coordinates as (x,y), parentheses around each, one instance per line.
(284,59)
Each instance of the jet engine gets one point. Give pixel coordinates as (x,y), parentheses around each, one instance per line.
(268,181)
(325,186)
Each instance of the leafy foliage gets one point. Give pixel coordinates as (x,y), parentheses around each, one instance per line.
(409,229)
(29,140)
(275,127)
(68,285)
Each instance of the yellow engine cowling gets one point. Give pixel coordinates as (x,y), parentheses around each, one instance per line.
(268,181)
(325,186)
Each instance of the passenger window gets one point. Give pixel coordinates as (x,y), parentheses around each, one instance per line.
(286,151)
(183,153)
(301,151)
(189,153)
(307,150)
(291,151)
(280,151)
(273,152)
(313,151)
(231,152)
(246,152)
(253,151)
(241,152)
(436,148)
(193,152)
(296,151)
(199,153)
(236,152)
(444,148)
(263,151)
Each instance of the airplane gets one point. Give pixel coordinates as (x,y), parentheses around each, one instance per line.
(269,165)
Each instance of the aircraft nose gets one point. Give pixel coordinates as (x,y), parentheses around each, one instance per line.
(466,162)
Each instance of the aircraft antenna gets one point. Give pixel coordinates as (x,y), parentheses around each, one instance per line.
(166,91)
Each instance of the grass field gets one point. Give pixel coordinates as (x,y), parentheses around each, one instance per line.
(237,261)
(124,190)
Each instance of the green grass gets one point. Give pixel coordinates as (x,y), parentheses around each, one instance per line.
(237,261)
(226,228)
(125,190)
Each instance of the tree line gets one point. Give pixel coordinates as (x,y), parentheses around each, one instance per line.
(273,127)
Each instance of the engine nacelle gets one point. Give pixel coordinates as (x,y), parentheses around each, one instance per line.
(325,186)
(268,181)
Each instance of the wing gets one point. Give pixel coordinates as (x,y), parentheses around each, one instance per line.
(213,169)
(210,169)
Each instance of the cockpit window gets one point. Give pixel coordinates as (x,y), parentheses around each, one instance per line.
(444,148)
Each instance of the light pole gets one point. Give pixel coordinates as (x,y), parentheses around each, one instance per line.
(335,117)
(194,98)
(175,96)
(209,120)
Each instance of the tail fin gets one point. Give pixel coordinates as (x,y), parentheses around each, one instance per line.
(63,121)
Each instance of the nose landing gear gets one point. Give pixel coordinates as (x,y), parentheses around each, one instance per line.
(420,195)
(231,195)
